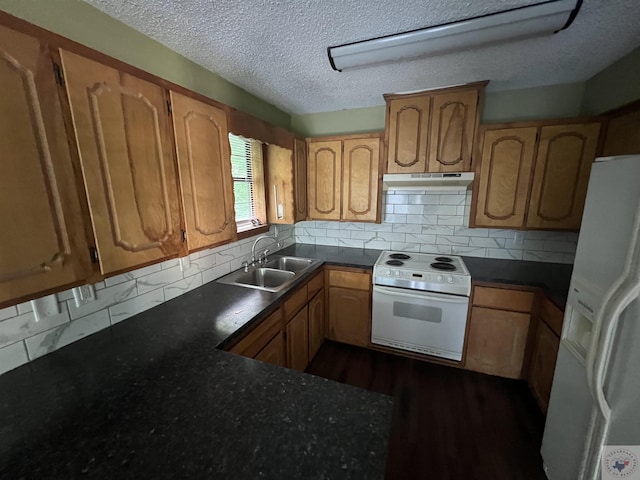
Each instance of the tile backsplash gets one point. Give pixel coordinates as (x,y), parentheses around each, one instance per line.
(427,222)
(23,339)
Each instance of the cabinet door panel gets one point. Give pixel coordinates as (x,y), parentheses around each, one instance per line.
(316,324)
(298,341)
(623,135)
(453,124)
(202,145)
(124,138)
(350,316)
(496,342)
(325,175)
(561,175)
(360,179)
(504,176)
(273,352)
(300,180)
(279,180)
(543,364)
(408,134)
(43,239)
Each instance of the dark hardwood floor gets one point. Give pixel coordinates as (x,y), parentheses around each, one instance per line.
(448,424)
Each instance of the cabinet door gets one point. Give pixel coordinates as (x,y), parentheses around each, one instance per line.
(202,145)
(543,364)
(42,241)
(273,352)
(300,179)
(350,316)
(623,135)
(453,126)
(124,138)
(360,179)
(496,342)
(408,134)
(316,324)
(561,175)
(279,185)
(298,341)
(504,176)
(325,180)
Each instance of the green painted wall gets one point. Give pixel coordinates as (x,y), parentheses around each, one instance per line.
(614,86)
(554,101)
(85,24)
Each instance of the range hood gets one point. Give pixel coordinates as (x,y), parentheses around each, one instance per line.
(427,181)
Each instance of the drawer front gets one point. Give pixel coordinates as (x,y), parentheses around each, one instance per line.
(503,299)
(315,285)
(345,279)
(552,315)
(260,336)
(295,302)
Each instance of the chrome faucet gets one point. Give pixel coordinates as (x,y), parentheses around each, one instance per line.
(253,247)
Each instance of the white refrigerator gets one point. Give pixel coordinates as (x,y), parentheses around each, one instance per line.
(595,398)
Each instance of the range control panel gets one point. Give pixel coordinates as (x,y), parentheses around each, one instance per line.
(421,277)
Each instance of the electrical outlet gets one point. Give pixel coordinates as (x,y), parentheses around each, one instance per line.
(45,307)
(518,238)
(84,294)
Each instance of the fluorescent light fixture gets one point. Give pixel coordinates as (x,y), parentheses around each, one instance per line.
(530,21)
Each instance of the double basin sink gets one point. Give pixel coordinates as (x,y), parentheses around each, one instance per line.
(272,276)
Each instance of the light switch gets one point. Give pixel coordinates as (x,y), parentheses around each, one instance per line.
(45,306)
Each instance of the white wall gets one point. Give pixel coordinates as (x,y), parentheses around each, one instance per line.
(23,339)
(437,223)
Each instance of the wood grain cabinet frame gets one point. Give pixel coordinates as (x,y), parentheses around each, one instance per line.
(622,136)
(202,147)
(123,133)
(43,244)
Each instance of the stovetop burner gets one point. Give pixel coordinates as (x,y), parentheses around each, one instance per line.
(400,256)
(394,263)
(443,266)
(444,259)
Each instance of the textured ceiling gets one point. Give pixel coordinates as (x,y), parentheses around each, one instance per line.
(276,49)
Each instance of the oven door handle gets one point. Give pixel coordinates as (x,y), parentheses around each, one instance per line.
(440,297)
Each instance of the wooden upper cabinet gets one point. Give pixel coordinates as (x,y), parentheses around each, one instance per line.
(279,178)
(432,131)
(360,179)
(202,145)
(325,179)
(42,241)
(300,179)
(454,117)
(123,133)
(504,175)
(623,132)
(408,134)
(561,175)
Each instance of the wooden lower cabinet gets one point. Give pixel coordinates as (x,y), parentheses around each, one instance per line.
(317,330)
(350,316)
(298,340)
(258,339)
(543,364)
(273,352)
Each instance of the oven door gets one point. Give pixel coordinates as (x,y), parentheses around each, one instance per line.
(423,322)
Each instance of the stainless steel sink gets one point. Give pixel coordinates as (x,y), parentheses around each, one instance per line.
(292,264)
(273,276)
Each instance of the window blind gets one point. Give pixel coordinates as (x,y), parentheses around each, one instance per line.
(245,154)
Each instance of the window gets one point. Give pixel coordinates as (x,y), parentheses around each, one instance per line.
(248,182)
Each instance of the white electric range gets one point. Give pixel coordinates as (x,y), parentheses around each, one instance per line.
(420,303)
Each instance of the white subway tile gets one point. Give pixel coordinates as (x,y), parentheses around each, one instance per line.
(58,337)
(328,241)
(25,308)
(136,305)
(158,280)
(104,298)
(452,240)
(398,199)
(504,253)
(351,226)
(97,286)
(351,242)
(182,286)
(335,233)
(8,313)
(423,199)
(327,225)
(439,210)
(378,227)
(66,295)
(452,200)
(436,249)
(407,228)
(564,247)
(429,219)
(536,256)
(199,265)
(141,272)
(469,251)
(415,219)
(482,242)
(421,238)
(449,220)
(17,328)
(408,209)
(405,247)
(438,230)
(317,232)
(388,209)
(377,244)
(12,356)
(472,232)
(224,256)
(167,264)
(462,210)
(305,239)
(501,233)
(216,272)
(568,258)
(393,218)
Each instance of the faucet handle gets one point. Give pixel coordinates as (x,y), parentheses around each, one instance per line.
(245,264)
